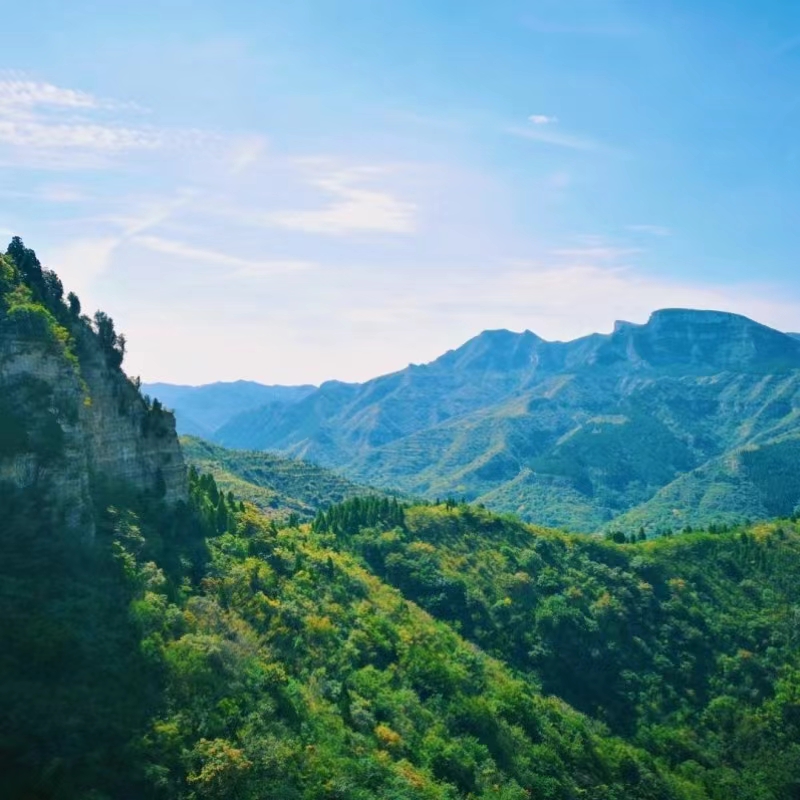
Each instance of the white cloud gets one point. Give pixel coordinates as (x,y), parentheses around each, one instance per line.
(355,207)
(22,93)
(153,212)
(41,135)
(542,119)
(47,126)
(556,302)
(245,153)
(57,193)
(244,267)
(48,193)
(579,299)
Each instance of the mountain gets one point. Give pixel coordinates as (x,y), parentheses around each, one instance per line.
(201,410)
(277,486)
(164,640)
(574,434)
(161,640)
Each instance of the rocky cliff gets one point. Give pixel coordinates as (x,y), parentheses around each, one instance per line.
(71,422)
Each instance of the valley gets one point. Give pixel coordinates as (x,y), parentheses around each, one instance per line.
(255,626)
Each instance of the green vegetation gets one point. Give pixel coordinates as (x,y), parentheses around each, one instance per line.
(685,646)
(201,650)
(278,486)
(37,321)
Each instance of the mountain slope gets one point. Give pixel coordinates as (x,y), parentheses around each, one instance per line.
(277,486)
(651,638)
(201,410)
(563,433)
(168,642)
(163,643)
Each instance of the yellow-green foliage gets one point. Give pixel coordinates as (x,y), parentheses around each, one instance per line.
(654,639)
(296,673)
(27,318)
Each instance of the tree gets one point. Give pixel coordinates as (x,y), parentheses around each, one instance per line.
(53,288)
(74,304)
(27,263)
(113,344)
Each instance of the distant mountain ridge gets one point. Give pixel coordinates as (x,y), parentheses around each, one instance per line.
(201,410)
(575,433)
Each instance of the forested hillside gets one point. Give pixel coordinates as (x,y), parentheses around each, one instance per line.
(278,486)
(685,420)
(165,639)
(686,646)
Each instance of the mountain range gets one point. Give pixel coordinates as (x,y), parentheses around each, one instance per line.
(201,410)
(164,639)
(688,419)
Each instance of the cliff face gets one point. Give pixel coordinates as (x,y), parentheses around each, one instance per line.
(70,427)
(128,442)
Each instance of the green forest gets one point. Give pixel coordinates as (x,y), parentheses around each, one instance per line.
(201,649)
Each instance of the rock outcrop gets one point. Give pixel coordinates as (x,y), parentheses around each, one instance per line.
(71,426)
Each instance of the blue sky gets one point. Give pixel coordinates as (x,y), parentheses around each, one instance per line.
(291,192)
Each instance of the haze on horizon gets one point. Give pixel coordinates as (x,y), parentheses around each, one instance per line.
(295,192)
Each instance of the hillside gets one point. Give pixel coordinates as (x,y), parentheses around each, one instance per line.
(201,410)
(162,640)
(165,640)
(685,646)
(575,434)
(277,486)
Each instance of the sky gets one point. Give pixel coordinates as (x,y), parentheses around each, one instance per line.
(294,192)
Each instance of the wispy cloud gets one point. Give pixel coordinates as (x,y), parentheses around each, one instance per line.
(243,267)
(18,92)
(42,135)
(558,298)
(81,261)
(45,125)
(652,230)
(356,208)
(245,153)
(47,193)
(59,193)
(541,130)
(542,119)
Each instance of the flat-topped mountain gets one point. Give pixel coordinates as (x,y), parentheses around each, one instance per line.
(700,341)
(571,433)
